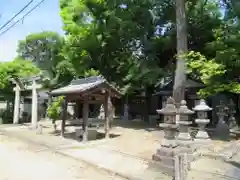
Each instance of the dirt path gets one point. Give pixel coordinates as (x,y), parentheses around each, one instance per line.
(27,162)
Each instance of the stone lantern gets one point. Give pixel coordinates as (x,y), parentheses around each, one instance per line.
(184,137)
(222,129)
(221,113)
(202,119)
(101,113)
(232,111)
(168,146)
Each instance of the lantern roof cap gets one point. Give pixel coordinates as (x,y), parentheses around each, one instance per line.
(202,106)
(183,109)
(169,109)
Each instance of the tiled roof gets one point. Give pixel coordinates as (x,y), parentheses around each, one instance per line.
(81,85)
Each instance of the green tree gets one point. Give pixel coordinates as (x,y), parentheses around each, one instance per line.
(133,43)
(44,50)
(114,38)
(54,110)
(17,68)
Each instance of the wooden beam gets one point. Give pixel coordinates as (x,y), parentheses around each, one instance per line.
(92,90)
(102,87)
(81,99)
(85,119)
(100,101)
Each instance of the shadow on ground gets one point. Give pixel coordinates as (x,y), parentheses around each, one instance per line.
(135,125)
(72,135)
(235,164)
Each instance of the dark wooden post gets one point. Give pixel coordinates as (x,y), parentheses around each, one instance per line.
(64,116)
(106,113)
(85,118)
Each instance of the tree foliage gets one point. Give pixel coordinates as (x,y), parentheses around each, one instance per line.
(17,68)
(44,50)
(54,109)
(219,68)
(109,36)
(133,43)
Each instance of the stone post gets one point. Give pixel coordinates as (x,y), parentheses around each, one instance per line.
(34,105)
(222,129)
(16,105)
(184,138)
(168,149)
(181,167)
(202,120)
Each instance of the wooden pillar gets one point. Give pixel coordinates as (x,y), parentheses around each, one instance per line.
(16,105)
(85,119)
(64,116)
(106,112)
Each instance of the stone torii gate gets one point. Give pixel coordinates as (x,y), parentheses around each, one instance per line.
(21,87)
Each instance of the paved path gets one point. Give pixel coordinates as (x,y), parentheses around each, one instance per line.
(131,167)
(21,161)
(125,166)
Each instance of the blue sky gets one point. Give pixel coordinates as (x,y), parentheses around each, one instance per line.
(44,18)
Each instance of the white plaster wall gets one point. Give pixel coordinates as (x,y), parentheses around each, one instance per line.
(3,104)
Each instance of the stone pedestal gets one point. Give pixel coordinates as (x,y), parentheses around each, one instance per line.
(184,137)
(168,149)
(202,120)
(202,134)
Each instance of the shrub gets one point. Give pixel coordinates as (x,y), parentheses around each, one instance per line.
(54,109)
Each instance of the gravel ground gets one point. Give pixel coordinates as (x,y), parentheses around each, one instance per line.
(27,162)
(215,169)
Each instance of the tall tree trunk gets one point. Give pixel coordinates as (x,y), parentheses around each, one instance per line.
(180,72)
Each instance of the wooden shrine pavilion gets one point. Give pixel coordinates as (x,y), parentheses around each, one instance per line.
(91,90)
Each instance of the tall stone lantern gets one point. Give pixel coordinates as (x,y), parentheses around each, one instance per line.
(221,113)
(222,129)
(184,137)
(232,111)
(167,150)
(202,119)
